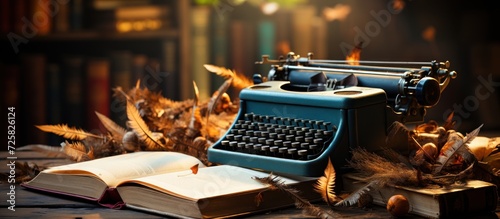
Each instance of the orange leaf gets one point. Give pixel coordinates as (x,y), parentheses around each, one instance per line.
(194,169)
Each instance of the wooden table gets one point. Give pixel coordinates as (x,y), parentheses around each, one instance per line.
(30,204)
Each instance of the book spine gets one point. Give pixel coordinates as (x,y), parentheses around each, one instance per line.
(121,76)
(170,78)
(34,105)
(40,16)
(200,49)
(302,29)
(61,20)
(219,51)
(77,13)
(5,16)
(54,100)
(267,40)
(97,93)
(73,68)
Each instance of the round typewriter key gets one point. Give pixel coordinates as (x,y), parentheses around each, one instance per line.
(241,131)
(308,139)
(237,126)
(308,134)
(230,136)
(300,132)
(256,148)
(261,140)
(264,134)
(327,133)
(251,127)
(254,139)
(233,144)
(292,152)
(318,135)
(270,129)
(273,135)
(287,143)
(224,143)
(270,141)
(295,144)
(318,141)
(244,126)
(274,150)
(302,152)
(299,138)
(282,151)
(238,137)
(249,133)
(265,149)
(241,146)
(281,136)
(246,138)
(249,147)
(256,133)
(313,147)
(262,128)
(304,145)
(290,137)
(278,142)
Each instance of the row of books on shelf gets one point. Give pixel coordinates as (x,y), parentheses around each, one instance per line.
(71,89)
(43,17)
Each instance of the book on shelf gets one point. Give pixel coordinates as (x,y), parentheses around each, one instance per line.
(166,183)
(34,97)
(73,89)
(435,202)
(200,48)
(120,76)
(54,99)
(97,92)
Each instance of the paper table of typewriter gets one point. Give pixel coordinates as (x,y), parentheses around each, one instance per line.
(310,110)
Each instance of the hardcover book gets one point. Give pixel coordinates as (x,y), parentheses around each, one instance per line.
(435,202)
(166,183)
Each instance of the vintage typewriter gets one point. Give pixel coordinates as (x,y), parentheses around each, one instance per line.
(308,111)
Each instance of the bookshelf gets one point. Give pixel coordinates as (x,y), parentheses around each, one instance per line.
(84,53)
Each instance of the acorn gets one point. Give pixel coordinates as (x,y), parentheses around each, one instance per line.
(130,141)
(398,205)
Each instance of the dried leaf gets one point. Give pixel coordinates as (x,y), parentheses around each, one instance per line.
(137,124)
(67,132)
(238,81)
(326,185)
(116,130)
(458,146)
(194,168)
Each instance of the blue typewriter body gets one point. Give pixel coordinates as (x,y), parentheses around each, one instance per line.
(284,127)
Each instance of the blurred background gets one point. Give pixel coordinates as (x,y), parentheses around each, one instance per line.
(61,59)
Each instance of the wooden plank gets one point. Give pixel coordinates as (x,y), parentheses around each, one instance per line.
(87,213)
(30,198)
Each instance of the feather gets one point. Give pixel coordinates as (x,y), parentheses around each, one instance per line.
(239,81)
(326,185)
(275,183)
(116,130)
(76,151)
(49,151)
(458,146)
(214,99)
(137,124)
(354,197)
(67,132)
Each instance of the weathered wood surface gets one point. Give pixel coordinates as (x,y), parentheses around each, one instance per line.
(31,204)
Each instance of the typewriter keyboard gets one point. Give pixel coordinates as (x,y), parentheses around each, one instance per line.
(286,138)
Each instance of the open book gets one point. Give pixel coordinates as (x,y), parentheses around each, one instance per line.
(163,182)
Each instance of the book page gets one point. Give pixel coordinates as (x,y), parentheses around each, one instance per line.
(208,182)
(114,169)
